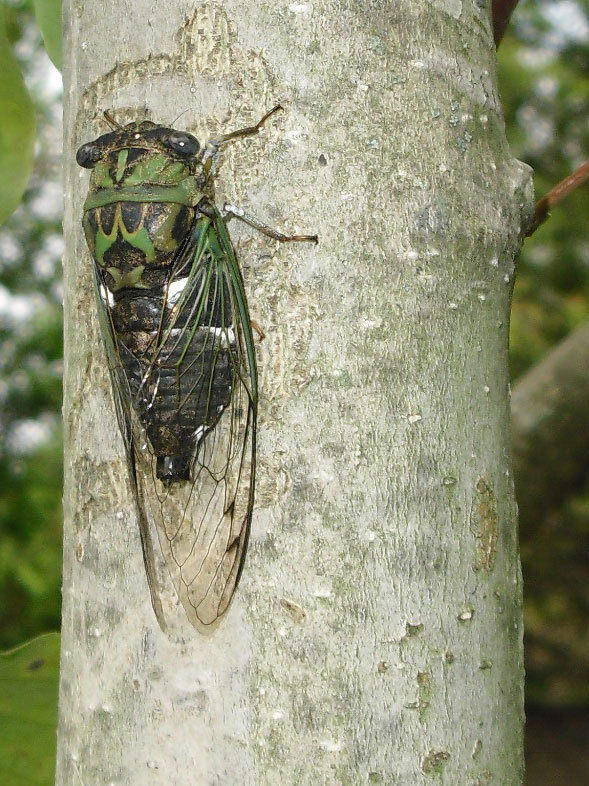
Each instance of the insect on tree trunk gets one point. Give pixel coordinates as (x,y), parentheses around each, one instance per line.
(375,636)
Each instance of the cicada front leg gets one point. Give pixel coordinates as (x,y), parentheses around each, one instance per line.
(210,153)
(248,131)
(233,211)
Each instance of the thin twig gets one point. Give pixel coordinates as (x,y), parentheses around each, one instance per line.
(557,194)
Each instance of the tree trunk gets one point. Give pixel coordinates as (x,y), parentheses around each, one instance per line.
(376,633)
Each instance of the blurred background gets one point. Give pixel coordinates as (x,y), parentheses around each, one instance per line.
(544,69)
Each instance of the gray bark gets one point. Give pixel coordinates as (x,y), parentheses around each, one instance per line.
(376,633)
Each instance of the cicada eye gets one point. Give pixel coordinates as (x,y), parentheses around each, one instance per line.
(184,144)
(88,155)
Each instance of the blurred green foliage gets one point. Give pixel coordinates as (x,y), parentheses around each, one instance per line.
(17,126)
(30,544)
(31,365)
(48,16)
(28,712)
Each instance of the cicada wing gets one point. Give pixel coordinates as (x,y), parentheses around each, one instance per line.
(202,354)
(203,523)
(131,431)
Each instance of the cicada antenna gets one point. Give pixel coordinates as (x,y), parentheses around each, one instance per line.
(175,120)
(111,121)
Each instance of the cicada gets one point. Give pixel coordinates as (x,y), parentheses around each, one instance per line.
(176,324)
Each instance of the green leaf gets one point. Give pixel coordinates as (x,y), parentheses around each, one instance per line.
(28,712)
(17,128)
(48,14)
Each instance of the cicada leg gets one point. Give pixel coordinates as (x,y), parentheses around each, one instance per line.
(258,328)
(249,131)
(232,211)
(210,152)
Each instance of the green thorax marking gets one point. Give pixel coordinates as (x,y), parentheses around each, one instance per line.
(121,164)
(186,193)
(130,280)
(151,178)
(155,169)
(138,239)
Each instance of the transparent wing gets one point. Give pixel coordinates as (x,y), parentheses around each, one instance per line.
(186,395)
(128,425)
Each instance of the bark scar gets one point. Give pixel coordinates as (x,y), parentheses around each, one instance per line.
(484,525)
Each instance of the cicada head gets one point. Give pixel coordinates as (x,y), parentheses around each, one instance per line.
(143,155)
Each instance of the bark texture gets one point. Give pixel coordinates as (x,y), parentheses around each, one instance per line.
(376,634)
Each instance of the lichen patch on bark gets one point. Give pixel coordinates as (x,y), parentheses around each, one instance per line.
(483,525)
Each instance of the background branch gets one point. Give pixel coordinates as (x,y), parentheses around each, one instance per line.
(550,423)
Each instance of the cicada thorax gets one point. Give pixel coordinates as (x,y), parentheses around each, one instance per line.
(139,211)
(135,242)
(165,314)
